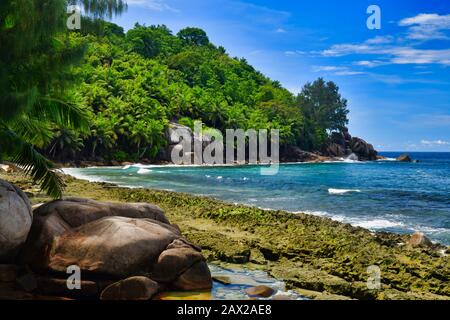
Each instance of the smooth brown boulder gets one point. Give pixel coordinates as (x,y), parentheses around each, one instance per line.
(57,217)
(174,261)
(16,217)
(115,246)
(260,291)
(418,239)
(197,277)
(79,211)
(133,288)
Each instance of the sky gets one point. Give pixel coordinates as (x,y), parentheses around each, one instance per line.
(396,78)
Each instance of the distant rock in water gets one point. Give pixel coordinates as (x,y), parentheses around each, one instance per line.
(364,150)
(404,158)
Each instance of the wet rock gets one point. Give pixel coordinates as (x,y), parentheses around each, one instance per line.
(16,217)
(235,280)
(260,291)
(404,158)
(133,288)
(418,239)
(8,273)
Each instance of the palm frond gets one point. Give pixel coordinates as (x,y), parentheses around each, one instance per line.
(25,156)
(64,114)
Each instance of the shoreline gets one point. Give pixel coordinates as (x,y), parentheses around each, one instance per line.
(313,255)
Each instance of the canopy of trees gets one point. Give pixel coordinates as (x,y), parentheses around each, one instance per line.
(134,83)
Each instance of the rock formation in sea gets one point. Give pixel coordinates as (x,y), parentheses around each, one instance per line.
(340,145)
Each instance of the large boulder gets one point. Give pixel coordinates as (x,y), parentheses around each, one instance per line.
(133,288)
(364,150)
(16,217)
(118,247)
(57,217)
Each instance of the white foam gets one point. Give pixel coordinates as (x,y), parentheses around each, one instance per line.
(126,167)
(144,171)
(74,172)
(342,191)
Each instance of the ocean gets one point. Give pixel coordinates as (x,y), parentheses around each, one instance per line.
(380,196)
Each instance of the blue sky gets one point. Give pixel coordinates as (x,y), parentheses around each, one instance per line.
(397,79)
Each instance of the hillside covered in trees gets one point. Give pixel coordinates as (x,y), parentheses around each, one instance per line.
(131,85)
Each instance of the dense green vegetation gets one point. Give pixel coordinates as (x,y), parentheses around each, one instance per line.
(102,94)
(134,83)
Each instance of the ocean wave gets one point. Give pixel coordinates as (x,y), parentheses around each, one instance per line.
(144,171)
(342,191)
(371,224)
(74,172)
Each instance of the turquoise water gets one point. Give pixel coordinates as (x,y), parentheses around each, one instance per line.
(381,196)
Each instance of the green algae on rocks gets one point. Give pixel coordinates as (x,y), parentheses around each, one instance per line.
(316,255)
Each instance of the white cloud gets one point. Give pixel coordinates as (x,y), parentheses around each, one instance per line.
(393,54)
(380,40)
(338,71)
(369,64)
(399,50)
(156,5)
(434,143)
(294,53)
(425,26)
(280,30)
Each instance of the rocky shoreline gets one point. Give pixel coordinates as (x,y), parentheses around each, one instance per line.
(317,257)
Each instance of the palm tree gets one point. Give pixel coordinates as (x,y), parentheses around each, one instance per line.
(36,56)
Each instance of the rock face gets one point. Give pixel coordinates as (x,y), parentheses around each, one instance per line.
(260,292)
(134,288)
(418,239)
(114,242)
(16,217)
(342,145)
(404,158)
(295,154)
(335,150)
(364,150)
